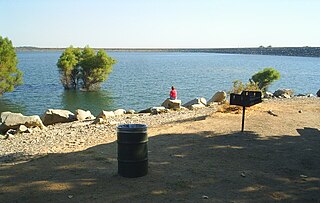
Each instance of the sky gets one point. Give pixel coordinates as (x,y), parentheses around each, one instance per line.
(161,23)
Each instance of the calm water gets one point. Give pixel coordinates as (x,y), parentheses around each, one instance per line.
(143,79)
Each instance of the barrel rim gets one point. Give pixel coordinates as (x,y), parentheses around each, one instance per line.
(132,126)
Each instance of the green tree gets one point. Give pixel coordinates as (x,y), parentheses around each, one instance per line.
(10,75)
(85,68)
(265,77)
(69,68)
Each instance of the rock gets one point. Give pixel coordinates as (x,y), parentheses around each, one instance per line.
(148,110)
(131,111)
(157,110)
(300,111)
(201,100)
(106,114)
(268,95)
(52,116)
(172,103)
(14,120)
(301,95)
(99,121)
(310,95)
(284,93)
(82,115)
(271,113)
(22,129)
(318,93)
(119,112)
(205,197)
(196,106)
(218,97)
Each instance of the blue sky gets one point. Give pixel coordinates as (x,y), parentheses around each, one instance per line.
(160,23)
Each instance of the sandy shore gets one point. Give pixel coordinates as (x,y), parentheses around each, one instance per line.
(194,156)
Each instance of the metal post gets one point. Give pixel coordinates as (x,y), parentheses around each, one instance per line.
(243,112)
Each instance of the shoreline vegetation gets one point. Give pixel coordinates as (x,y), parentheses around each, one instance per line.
(276,51)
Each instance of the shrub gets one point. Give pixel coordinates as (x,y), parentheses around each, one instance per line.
(265,77)
(238,87)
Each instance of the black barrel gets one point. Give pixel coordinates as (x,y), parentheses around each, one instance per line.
(132,150)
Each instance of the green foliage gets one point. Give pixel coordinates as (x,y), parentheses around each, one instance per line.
(10,76)
(84,67)
(265,77)
(238,87)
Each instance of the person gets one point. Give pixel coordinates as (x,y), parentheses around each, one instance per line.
(173,93)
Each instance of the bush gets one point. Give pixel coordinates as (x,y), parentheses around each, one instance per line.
(265,77)
(238,87)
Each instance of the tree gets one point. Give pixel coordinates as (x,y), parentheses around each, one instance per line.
(68,65)
(10,75)
(265,77)
(84,68)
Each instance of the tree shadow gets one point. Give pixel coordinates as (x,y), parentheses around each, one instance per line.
(237,167)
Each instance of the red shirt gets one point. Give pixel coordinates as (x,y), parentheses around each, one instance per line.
(173,94)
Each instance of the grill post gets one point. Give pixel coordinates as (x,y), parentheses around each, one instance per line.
(243,113)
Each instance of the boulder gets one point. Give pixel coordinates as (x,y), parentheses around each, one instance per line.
(119,112)
(106,114)
(15,120)
(82,115)
(52,116)
(131,111)
(99,121)
(201,101)
(196,106)
(172,103)
(318,93)
(283,93)
(22,129)
(218,97)
(268,95)
(148,110)
(157,110)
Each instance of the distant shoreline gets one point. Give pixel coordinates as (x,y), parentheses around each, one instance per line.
(276,51)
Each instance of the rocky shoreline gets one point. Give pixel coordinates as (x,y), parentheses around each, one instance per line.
(84,133)
(80,135)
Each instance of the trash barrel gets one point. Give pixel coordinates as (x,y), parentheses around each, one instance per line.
(132,150)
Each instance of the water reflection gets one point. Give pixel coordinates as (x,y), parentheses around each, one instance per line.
(7,105)
(93,101)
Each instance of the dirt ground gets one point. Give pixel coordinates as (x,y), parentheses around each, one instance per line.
(205,159)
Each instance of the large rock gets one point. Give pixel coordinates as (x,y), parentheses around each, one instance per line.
(105,115)
(268,95)
(218,97)
(172,103)
(318,93)
(196,106)
(283,93)
(15,120)
(52,116)
(82,115)
(119,112)
(201,101)
(158,110)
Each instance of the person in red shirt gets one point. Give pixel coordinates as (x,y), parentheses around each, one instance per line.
(173,93)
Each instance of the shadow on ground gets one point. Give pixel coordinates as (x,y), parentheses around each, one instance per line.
(238,167)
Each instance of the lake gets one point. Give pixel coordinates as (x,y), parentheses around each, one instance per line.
(143,79)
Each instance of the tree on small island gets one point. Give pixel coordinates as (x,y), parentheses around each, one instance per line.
(10,75)
(85,68)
